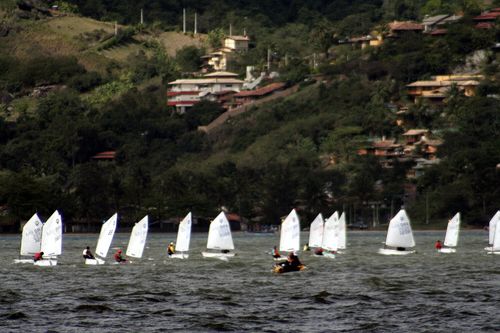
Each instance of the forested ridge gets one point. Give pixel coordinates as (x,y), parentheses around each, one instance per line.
(69,92)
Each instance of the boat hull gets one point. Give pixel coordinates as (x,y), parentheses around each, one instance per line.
(23,261)
(447,250)
(392,252)
(221,256)
(179,256)
(488,248)
(328,255)
(281,270)
(95,261)
(46,262)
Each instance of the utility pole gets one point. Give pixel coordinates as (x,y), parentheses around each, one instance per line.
(142,16)
(184,20)
(426,207)
(116,28)
(230,30)
(195,23)
(269,60)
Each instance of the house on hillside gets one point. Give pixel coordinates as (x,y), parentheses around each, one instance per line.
(487,20)
(386,150)
(433,23)
(435,91)
(237,43)
(219,59)
(249,96)
(397,28)
(364,41)
(418,143)
(184,93)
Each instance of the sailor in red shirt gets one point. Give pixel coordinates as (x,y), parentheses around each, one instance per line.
(118,256)
(438,245)
(38,256)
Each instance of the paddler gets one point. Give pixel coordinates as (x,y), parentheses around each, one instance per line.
(171,249)
(438,245)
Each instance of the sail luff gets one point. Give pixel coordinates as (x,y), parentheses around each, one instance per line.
(184,234)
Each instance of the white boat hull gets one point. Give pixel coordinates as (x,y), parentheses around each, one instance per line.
(488,248)
(95,261)
(46,262)
(179,256)
(494,252)
(447,250)
(393,252)
(280,258)
(221,256)
(23,261)
(328,255)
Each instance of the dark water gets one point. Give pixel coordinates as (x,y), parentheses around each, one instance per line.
(360,291)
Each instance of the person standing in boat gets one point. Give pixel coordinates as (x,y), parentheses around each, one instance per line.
(38,256)
(87,254)
(276,253)
(118,257)
(171,249)
(438,246)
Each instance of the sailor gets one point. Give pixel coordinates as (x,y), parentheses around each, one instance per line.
(276,253)
(87,254)
(294,261)
(306,247)
(118,256)
(438,245)
(38,256)
(171,249)
(318,251)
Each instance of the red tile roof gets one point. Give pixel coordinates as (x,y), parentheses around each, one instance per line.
(490,16)
(485,25)
(105,155)
(261,91)
(439,32)
(405,26)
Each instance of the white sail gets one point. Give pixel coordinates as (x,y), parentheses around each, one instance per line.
(342,232)
(32,236)
(184,234)
(106,236)
(492,227)
(52,236)
(290,233)
(316,232)
(496,240)
(138,238)
(219,234)
(451,238)
(399,233)
(330,241)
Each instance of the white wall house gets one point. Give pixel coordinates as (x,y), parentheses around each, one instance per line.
(184,93)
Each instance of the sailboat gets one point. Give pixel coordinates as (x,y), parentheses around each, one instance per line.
(451,238)
(138,238)
(492,229)
(316,232)
(399,236)
(330,237)
(31,240)
(183,238)
(342,233)
(51,245)
(495,248)
(219,238)
(104,242)
(290,234)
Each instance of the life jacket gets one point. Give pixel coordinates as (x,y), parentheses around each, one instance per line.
(38,256)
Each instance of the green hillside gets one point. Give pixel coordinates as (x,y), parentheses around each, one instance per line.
(70,88)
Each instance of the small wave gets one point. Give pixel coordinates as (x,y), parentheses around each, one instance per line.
(99,308)
(14,316)
(9,297)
